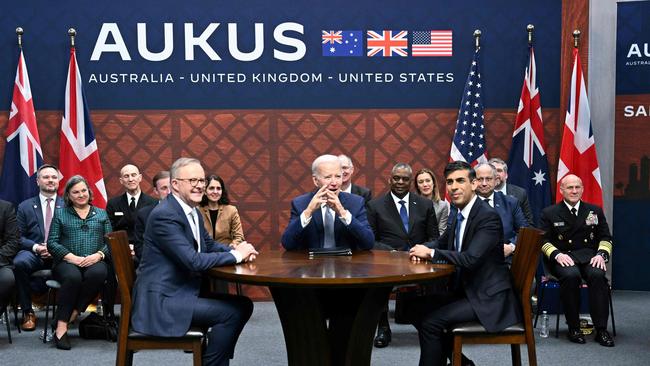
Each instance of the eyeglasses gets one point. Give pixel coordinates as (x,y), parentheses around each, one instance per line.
(193,181)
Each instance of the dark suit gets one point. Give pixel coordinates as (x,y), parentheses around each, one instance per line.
(9,246)
(363,192)
(386,224)
(31,225)
(138,231)
(120,214)
(482,291)
(522,196)
(166,298)
(581,237)
(357,235)
(512,218)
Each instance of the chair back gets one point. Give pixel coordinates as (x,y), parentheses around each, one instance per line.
(118,242)
(524,263)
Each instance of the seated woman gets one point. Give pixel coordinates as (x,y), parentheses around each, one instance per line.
(9,246)
(427,186)
(220,218)
(76,242)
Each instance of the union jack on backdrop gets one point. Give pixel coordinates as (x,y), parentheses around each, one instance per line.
(431,43)
(23,153)
(528,163)
(578,151)
(387,43)
(469,137)
(342,43)
(78,151)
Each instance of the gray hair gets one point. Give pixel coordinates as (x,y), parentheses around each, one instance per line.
(492,167)
(73,181)
(180,163)
(499,161)
(402,166)
(327,158)
(347,159)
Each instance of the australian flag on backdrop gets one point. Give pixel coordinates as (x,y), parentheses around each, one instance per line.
(527,163)
(342,43)
(23,153)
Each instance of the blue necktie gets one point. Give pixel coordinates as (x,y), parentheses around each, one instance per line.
(459,220)
(404,215)
(329,240)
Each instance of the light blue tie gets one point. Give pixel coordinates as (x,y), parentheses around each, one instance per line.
(404,215)
(328,222)
(459,221)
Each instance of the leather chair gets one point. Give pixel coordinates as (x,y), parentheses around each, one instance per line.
(127,339)
(524,263)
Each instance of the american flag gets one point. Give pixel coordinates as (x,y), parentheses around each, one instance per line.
(387,43)
(342,43)
(432,43)
(78,153)
(578,151)
(23,153)
(469,137)
(528,163)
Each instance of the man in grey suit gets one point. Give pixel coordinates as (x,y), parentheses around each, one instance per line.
(510,189)
(177,249)
(34,217)
(347,169)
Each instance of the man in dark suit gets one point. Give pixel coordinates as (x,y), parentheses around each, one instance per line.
(510,189)
(161,188)
(578,246)
(482,289)
(122,210)
(34,217)
(399,220)
(328,217)
(347,186)
(512,218)
(9,246)
(177,249)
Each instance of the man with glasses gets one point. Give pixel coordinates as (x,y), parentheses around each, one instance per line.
(327,218)
(347,168)
(400,220)
(507,207)
(508,189)
(177,249)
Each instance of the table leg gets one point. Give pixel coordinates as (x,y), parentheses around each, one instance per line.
(329,326)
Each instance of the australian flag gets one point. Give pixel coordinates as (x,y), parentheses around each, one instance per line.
(527,163)
(342,43)
(23,153)
(469,136)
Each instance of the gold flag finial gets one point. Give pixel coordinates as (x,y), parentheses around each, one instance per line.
(19,33)
(72,33)
(530,28)
(576,38)
(477,38)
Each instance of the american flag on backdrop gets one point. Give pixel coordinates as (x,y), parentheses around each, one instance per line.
(431,43)
(528,163)
(387,43)
(23,153)
(78,150)
(578,151)
(342,43)
(469,137)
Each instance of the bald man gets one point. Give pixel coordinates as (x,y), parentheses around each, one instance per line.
(577,246)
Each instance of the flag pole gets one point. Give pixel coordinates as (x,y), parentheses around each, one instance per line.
(19,33)
(530,28)
(477,39)
(576,38)
(72,33)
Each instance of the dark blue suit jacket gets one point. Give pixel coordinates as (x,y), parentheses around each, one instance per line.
(31,223)
(357,235)
(484,275)
(512,217)
(169,274)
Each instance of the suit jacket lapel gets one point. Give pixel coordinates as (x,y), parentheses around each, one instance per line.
(179,211)
(470,222)
(39,214)
(413,208)
(392,211)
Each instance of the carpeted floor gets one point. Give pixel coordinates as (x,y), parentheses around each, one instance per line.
(262,344)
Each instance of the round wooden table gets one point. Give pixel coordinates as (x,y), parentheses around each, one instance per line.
(329,306)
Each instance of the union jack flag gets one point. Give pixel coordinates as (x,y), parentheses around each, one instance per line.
(578,151)
(78,150)
(23,153)
(528,163)
(386,43)
(332,37)
(469,137)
